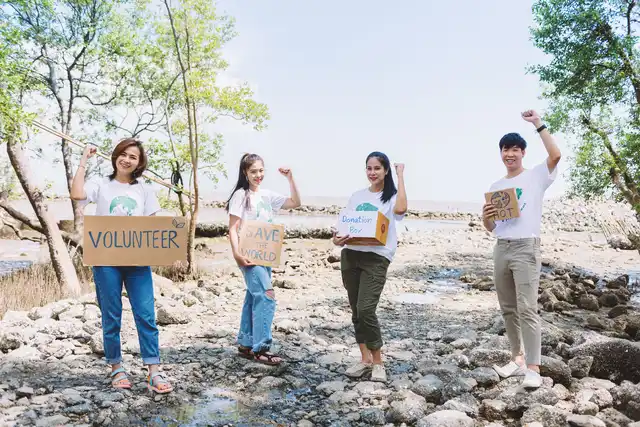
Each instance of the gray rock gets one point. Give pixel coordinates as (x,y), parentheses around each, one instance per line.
(484,357)
(555,369)
(446,419)
(81,409)
(171,315)
(548,416)
(584,421)
(620,241)
(614,359)
(588,302)
(485,377)
(602,398)
(9,340)
(581,366)
(519,399)
(430,387)
(458,387)
(586,408)
(271,383)
(24,392)
(493,410)
(96,343)
(613,418)
(52,421)
(608,299)
(406,407)
(330,387)
(617,311)
(465,403)
(373,416)
(446,373)
(625,393)
(289,283)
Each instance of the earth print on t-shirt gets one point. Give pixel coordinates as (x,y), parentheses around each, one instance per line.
(264,211)
(122,206)
(368,207)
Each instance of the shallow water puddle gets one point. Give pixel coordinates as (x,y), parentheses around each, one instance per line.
(218,408)
(414,298)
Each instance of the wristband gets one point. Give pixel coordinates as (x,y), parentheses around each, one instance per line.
(541,128)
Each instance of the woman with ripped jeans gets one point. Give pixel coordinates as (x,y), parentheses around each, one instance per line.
(249,202)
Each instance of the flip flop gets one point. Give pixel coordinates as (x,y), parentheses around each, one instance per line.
(161,380)
(122,382)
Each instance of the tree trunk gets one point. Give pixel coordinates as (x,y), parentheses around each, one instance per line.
(60,259)
(78,212)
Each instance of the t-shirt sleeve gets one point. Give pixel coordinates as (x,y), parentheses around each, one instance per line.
(151,204)
(236,204)
(544,177)
(92,189)
(276,200)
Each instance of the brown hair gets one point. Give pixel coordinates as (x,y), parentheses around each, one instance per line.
(121,148)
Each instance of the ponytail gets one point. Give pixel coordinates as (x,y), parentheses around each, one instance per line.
(246,161)
(389,189)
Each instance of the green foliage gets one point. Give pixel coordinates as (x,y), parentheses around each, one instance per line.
(191,33)
(593,84)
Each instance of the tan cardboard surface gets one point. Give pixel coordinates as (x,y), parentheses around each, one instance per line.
(261,242)
(134,240)
(506,202)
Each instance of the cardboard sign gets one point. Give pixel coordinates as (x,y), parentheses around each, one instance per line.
(261,242)
(366,228)
(134,240)
(506,202)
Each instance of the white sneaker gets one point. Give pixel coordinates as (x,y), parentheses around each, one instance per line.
(532,379)
(379,374)
(358,370)
(511,369)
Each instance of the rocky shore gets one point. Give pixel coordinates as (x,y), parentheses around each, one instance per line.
(441,326)
(566,214)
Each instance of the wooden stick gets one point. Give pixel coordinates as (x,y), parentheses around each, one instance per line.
(104,156)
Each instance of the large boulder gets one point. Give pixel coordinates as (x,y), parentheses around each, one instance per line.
(613,359)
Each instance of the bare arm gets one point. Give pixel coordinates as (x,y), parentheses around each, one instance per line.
(294,200)
(488,212)
(77,185)
(234,239)
(548,140)
(401,199)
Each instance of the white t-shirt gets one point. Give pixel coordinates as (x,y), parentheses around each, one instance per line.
(530,187)
(115,198)
(365,200)
(264,204)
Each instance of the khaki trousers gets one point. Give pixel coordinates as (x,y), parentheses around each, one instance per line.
(517,264)
(364,275)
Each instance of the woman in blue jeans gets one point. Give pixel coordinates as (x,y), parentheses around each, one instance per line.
(122,194)
(249,202)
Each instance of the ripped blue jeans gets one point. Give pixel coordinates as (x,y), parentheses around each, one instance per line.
(258,310)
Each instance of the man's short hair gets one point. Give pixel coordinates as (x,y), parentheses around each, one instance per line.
(511,140)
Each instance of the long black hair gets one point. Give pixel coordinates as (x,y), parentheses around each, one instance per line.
(389,189)
(246,161)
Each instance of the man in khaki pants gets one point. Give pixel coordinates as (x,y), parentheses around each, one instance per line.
(517,252)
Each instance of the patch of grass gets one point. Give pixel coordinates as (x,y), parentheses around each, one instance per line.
(36,286)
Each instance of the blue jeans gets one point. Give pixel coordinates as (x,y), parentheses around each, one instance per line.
(139,285)
(258,310)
